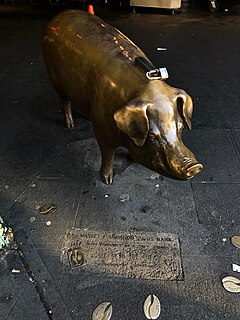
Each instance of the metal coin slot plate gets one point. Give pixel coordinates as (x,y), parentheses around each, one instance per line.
(123,254)
(103,312)
(152,307)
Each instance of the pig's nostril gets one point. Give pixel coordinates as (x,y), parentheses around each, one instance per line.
(194,170)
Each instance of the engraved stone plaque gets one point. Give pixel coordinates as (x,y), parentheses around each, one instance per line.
(124,254)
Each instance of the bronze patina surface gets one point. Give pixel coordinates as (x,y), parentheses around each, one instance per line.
(92,65)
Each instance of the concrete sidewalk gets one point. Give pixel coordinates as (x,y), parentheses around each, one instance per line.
(42,163)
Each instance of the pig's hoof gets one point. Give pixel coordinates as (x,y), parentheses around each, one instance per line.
(107,176)
(69,121)
(70,124)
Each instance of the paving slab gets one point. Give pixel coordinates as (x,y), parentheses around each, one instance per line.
(126,296)
(213,208)
(103,207)
(67,163)
(200,237)
(216,150)
(18,298)
(26,215)
(202,291)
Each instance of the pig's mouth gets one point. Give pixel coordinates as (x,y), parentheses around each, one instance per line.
(190,168)
(160,168)
(187,170)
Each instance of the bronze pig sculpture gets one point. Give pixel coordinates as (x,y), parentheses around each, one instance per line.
(92,65)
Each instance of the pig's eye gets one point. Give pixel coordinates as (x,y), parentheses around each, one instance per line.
(153,138)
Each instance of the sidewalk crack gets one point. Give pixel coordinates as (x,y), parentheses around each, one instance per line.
(38,288)
(233,141)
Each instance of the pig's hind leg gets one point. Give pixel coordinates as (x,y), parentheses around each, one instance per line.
(65,103)
(67,111)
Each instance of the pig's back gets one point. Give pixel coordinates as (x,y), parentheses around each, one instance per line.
(84,53)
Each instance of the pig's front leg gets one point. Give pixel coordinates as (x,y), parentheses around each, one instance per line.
(106,170)
(107,152)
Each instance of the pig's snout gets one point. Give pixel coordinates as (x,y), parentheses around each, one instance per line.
(189,168)
(196,168)
(183,171)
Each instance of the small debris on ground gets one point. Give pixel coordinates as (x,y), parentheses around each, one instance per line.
(16,271)
(107,195)
(161,49)
(154,175)
(124,197)
(236,267)
(133,229)
(48,223)
(32,219)
(146,208)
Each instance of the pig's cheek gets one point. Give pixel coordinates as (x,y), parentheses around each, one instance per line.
(155,150)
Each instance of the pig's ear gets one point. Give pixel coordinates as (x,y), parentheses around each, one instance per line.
(186,107)
(132,119)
